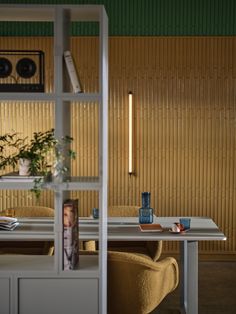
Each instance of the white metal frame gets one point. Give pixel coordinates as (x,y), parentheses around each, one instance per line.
(61,15)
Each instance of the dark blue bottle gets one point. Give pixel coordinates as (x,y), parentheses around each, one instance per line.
(146,212)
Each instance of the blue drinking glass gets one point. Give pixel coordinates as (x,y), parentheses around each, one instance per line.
(95,213)
(185,222)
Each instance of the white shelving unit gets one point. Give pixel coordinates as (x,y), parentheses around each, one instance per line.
(38,284)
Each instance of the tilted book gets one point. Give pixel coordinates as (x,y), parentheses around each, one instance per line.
(72,72)
(70,234)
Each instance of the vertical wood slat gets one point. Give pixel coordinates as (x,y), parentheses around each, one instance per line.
(185,120)
(186,130)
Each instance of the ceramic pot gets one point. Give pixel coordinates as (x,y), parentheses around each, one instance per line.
(24,165)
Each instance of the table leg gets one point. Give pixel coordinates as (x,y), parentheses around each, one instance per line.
(189,276)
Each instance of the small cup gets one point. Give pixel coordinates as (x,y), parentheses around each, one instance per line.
(185,222)
(95,212)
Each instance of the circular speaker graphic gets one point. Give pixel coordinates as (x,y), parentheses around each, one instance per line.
(26,67)
(22,71)
(5,67)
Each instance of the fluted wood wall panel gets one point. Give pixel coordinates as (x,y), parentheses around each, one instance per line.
(184,125)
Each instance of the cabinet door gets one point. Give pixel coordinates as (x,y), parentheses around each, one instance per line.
(58,296)
(4,296)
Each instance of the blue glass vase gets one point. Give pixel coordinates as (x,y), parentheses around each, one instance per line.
(146,212)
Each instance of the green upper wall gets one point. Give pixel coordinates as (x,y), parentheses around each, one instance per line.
(142,18)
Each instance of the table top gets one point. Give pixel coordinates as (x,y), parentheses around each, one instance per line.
(127,229)
(119,228)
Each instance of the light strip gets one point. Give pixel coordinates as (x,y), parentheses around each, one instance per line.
(130,133)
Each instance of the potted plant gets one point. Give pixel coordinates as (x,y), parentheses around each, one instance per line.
(44,155)
(15,150)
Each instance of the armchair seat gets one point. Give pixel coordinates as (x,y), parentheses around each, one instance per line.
(136,284)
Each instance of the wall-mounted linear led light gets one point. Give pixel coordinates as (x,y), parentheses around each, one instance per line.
(130,132)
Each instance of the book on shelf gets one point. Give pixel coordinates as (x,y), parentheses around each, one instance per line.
(70,65)
(70,234)
(8,223)
(15,176)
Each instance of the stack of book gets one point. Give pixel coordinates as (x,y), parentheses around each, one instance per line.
(8,223)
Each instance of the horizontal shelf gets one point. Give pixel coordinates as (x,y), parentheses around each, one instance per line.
(30,232)
(27,96)
(15,185)
(47,12)
(88,266)
(76,183)
(83,97)
(21,263)
(43,232)
(72,183)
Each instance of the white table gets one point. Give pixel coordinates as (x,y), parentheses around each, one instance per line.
(202,229)
(127,229)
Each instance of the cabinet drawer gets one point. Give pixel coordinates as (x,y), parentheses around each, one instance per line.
(59,296)
(4,295)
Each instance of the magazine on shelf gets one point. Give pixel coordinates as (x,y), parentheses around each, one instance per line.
(8,223)
(70,65)
(70,234)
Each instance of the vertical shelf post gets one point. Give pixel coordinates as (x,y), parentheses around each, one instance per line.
(62,114)
(103,157)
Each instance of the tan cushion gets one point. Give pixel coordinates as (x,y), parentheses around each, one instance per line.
(123,211)
(30,211)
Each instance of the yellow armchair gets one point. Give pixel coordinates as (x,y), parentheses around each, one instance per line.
(136,285)
(28,247)
(151,248)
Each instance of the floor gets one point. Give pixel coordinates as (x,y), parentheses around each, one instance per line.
(217,290)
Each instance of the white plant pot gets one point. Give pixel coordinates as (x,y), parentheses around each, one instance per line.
(57,179)
(24,165)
